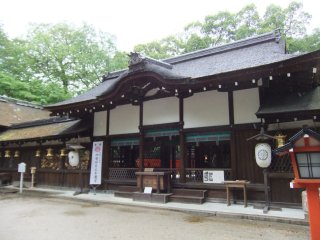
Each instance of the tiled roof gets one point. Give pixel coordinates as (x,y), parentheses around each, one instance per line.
(14,111)
(89,95)
(248,53)
(41,131)
(272,36)
(237,59)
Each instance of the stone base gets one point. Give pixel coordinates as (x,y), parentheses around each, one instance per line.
(304,201)
(153,197)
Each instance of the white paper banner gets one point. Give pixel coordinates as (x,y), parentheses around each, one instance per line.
(96,163)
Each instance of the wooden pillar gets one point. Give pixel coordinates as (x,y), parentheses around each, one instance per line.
(62,163)
(233,141)
(107,146)
(141,140)
(231,108)
(141,146)
(182,143)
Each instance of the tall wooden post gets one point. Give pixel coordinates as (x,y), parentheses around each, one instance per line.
(266,190)
(231,108)
(141,144)
(107,146)
(182,143)
(62,164)
(233,141)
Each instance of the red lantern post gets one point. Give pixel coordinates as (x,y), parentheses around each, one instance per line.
(304,150)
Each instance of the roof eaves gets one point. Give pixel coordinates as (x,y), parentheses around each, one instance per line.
(111,75)
(19,102)
(42,122)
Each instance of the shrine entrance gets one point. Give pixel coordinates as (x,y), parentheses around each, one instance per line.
(162,152)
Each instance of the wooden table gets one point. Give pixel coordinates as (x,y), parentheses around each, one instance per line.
(156,180)
(237,184)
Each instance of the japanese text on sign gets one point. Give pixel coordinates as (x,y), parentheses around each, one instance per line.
(96,163)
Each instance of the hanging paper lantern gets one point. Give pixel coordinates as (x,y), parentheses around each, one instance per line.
(263,155)
(73,158)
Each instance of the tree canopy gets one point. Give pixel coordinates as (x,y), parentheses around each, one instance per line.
(54,62)
(225,27)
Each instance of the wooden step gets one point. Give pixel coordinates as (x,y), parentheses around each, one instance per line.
(123,194)
(190,192)
(154,197)
(186,199)
(182,195)
(128,189)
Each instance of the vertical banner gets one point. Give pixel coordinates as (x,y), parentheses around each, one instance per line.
(96,163)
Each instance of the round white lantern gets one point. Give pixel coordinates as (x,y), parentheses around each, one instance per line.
(263,155)
(73,158)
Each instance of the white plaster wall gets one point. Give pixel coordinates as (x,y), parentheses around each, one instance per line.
(246,104)
(206,109)
(124,119)
(165,110)
(100,123)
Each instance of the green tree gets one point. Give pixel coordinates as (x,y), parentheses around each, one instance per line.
(54,62)
(154,49)
(225,27)
(308,43)
(247,22)
(74,58)
(4,50)
(292,21)
(119,61)
(195,42)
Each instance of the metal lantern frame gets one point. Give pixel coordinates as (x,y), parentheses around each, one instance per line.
(262,138)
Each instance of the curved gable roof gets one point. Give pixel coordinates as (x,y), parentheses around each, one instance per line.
(248,53)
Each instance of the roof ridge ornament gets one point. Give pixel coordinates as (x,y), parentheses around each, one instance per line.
(277,35)
(135,58)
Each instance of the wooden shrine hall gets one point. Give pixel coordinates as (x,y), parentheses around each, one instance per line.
(190,116)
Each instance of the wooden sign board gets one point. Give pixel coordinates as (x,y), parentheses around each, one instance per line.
(214,176)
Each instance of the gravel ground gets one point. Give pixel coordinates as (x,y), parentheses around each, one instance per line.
(41,217)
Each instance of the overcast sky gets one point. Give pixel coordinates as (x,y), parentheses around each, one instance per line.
(131,21)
